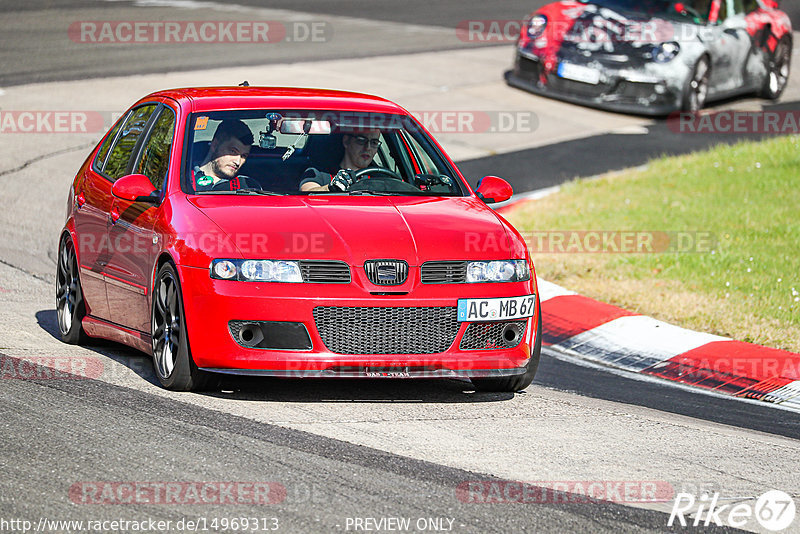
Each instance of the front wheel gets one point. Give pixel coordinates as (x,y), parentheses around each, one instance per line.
(696,91)
(172,359)
(70,307)
(516,382)
(778,68)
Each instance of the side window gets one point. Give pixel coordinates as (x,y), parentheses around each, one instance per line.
(750,6)
(100,160)
(427,166)
(134,125)
(154,162)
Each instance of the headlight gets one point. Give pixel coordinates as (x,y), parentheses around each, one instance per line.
(498,271)
(256,270)
(536,26)
(666,52)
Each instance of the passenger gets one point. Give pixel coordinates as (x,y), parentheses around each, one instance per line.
(227,152)
(360,148)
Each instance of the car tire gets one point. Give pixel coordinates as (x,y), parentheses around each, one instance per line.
(516,382)
(172,359)
(779,65)
(70,307)
(695,92)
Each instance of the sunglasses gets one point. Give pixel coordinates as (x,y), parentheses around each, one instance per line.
(362,140)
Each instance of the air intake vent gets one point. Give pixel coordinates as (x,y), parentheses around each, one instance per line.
(444,272)
(325,272)
(390,330)
(386,272)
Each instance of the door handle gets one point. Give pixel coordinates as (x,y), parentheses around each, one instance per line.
(113,215)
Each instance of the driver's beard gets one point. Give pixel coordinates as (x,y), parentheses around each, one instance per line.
(220,171)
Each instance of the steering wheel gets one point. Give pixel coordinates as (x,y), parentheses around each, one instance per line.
(376,170)
(390,183)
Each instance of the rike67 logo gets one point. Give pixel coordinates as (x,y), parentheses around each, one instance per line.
(774,511)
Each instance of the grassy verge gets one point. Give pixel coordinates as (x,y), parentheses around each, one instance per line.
(745,284)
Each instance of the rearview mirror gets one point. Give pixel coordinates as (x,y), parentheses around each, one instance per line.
(492,189)
(307,126)
(136,188)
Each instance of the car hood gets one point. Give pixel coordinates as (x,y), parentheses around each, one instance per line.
(357,228)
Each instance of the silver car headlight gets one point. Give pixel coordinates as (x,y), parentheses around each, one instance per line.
(666,52)
(498,271)
(536,26)
(256,270)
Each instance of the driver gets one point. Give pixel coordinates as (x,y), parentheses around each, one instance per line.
(360,148)
(227,152)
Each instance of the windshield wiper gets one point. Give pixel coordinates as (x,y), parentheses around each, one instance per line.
(249,190)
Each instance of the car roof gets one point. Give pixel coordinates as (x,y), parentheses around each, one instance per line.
(199,99)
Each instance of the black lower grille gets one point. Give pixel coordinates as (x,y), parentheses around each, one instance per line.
(573,87)
(444,272)
(325,272)
(499,335)
(529,68)
(386,330)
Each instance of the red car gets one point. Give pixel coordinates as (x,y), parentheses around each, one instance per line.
(293,233)
(653,57)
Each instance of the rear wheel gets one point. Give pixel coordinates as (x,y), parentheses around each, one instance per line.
(695,93)
(70,308)
(778,69)
(172,359)
(516,382)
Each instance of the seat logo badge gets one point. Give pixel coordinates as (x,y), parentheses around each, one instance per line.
(386,272)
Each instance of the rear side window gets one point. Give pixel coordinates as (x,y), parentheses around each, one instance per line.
(103,152)
(120,155)
(154,162)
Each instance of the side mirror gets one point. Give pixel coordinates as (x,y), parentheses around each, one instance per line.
(136,188)
(492,189)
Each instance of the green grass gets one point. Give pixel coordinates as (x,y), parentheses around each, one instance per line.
(747,196)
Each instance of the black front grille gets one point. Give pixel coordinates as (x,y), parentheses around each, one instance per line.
(386,330)
(636,90)
(444,272)
(493,335)
(325,272)
(573,87)
(386,272)
(529,68)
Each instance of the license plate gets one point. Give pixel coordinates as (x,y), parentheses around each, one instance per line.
(500,309)
(579,73)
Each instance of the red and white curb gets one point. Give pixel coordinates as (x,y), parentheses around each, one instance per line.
(580,328)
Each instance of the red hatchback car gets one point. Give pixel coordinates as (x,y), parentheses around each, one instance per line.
(293,233)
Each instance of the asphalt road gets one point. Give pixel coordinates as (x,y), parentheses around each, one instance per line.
(37,44)
(142,438)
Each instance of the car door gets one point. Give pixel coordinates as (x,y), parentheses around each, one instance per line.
(131,229)
(729,48)
(92,204)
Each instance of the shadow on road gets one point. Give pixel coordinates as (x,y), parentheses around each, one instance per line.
(268,389)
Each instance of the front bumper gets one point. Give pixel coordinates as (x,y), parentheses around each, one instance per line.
(619,89)
(211,305)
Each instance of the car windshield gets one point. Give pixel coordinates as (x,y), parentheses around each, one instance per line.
(687,10)
(277,151)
